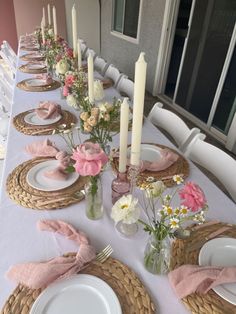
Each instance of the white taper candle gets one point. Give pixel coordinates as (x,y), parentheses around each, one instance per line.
(90,78)
(124,126)
(42,30)
(74,30)
(139,93)
(79,54)
(49,15)
(54,14)
(44,17)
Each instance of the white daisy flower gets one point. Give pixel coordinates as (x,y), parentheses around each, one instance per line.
(174,223)
(178,179)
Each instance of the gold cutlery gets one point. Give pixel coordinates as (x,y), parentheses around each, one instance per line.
(104,254)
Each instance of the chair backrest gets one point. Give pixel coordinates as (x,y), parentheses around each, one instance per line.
(113,73)
(8,61)
(4,123)
(231,136)
(9,48)
(83,48)
(100,65)
(93,53)
(172,124)
(126,87)
(212,158)
(8,54)
(6,72)
(6,89)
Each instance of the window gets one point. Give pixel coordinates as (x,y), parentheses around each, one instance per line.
(126,17)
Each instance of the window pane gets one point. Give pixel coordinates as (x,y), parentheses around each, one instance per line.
(131,18)
(118,15)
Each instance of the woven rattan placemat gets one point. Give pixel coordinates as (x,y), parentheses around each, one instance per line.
(209,303)
(29,48)
(23,194)
(24,68)
(131,293)
(29,129)
(29,57)
(23,85)
(181,166)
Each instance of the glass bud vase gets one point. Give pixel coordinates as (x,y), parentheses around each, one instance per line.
(93,197)
(127,230)
(157,255)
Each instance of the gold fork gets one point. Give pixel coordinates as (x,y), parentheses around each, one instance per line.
(104,254)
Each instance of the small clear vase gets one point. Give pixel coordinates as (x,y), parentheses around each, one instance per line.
(94,199)
(127,230)
(157,255)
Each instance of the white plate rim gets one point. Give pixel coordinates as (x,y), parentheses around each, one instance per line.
(37,79)
(39,303)
(50,121)
(146,146)
(204,253)
(40,66)
(37,167)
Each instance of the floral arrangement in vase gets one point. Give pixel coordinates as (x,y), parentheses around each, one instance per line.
(89,161)
(75,88)
(164,218)
(100,121)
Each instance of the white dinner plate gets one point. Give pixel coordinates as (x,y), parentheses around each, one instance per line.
(220,252)
(81,293)
(148,152)
(34,119)
(34,55)
(36,66)
(36,178)
(36,82)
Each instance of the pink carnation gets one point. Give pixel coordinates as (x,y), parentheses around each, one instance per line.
(90,159)
(193,197)
(65,91)
(69,80)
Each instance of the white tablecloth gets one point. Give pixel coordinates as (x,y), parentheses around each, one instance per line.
(20,241)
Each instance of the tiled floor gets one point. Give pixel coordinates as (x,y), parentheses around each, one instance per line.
(150,101)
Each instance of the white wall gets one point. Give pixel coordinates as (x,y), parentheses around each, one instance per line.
(88,22)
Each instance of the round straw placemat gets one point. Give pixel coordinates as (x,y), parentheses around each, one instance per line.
(181,166)
(24,68)
(22,126)
(30,57)
(209,303)
(23,194)
(23,85)
(131,293)
(29,48)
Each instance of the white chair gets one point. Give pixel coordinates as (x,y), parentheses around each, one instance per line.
(173,125)
(114,74)
(126,87)
(6,89)
(9,56)
(10,50)
(4,123)
(7,61)
(213,159)
(83,48)
(90,51)
(6,72)
(100,65)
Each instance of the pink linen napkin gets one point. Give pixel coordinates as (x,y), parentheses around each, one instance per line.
(168,157)
(47,149)
(188,279)
(48,110)
(59,172)
(37,275)
(46,77)
(42,149)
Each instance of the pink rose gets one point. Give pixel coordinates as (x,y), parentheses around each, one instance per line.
(192,196)
(89,159)
(58,57)
(65,91)
(69,80)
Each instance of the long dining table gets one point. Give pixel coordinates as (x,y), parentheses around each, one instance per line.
(20,241)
